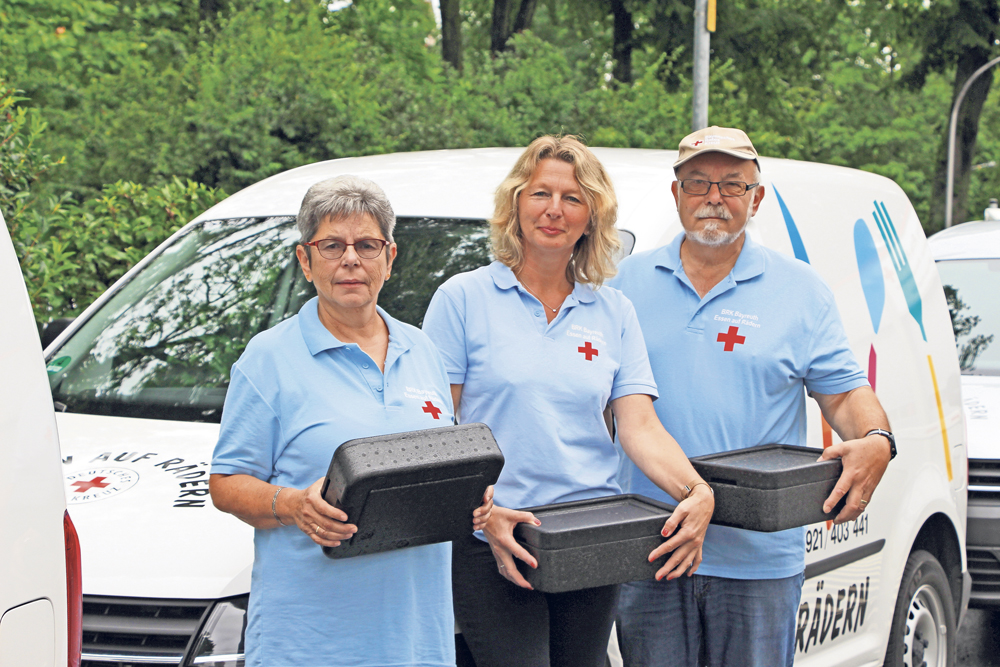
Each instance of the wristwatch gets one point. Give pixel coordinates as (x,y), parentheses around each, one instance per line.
(888,436)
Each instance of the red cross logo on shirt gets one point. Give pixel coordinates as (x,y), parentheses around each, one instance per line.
(588,350)
(731,339)
(430,409)
(96,483)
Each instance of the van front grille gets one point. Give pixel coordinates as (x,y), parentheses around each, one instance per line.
(138,632)
(984,567)
(984,472)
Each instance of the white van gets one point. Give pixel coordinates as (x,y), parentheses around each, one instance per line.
(141,376)
(39,550)
(968,259)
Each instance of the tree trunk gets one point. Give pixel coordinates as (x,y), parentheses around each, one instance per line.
(451,33)
(982,16)
(500,30)
(525,14)
(621,50)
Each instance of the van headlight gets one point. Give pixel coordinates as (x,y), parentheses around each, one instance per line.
(220,643)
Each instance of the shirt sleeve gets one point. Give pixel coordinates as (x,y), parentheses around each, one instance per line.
(634,376)
(833,368)
(250,432)
(444,324)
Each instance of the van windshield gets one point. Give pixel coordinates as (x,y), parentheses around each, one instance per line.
(972,288)
(162,346)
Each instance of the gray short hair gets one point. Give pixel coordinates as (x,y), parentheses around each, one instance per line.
(342,197)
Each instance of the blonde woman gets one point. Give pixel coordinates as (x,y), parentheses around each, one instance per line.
(537,351)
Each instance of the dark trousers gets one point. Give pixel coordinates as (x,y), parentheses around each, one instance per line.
(508,626)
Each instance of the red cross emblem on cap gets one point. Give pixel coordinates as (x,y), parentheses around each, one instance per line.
(588,350)
(698,142)
(430,409)
(731,339)
(96,483)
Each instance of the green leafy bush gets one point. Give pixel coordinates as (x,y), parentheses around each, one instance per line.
(79,249)
(70,252)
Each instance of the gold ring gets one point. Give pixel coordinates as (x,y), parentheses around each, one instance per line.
(863,502)
(317,529)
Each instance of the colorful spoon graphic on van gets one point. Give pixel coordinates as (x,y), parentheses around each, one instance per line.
(872,284)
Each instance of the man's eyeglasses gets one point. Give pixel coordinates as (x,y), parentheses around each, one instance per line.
(697,186)
(334,249)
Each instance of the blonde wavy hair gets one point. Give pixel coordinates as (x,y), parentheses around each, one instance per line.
(593,259)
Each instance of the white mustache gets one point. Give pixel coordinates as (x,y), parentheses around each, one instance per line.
(713,211)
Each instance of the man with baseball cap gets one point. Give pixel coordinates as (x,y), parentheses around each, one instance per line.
(727,387)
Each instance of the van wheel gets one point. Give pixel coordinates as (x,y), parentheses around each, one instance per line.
(923,630)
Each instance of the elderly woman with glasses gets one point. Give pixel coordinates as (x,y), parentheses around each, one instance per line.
(334,372)
(536,351)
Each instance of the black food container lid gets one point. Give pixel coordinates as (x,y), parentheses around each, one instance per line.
(598,520)
(409,489)
(768,466)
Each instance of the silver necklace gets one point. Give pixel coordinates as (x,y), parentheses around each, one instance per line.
(554,310)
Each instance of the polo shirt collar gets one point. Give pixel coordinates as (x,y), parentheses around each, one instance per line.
(749,264)
(504,278)
(319,339)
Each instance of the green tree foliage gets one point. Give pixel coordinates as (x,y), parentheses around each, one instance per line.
(22,162)
(272,84)
(226,93)
(71,252)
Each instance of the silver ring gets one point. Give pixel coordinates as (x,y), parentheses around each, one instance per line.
(863,502)
(502,566)
(318,529)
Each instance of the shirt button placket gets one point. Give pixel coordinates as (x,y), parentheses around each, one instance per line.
(371,373)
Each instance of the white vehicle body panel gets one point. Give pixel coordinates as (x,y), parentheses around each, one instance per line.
(137,543)
(980,240)
(33,609)
(156,471)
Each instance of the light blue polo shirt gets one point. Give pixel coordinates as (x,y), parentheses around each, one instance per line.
(733,367)
(541,387)
(297,393)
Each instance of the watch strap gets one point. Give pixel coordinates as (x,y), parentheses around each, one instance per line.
(888,436)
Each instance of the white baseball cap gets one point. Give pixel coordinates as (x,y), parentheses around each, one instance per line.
(716,139)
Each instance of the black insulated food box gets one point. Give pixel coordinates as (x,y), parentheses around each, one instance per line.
(407,489)
(589,543)
(770,487)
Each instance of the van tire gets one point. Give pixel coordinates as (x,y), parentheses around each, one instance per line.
(923,624)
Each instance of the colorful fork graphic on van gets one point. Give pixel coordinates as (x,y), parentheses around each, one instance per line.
(900,264)
(873,286)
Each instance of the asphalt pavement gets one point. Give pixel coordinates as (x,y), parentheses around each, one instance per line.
(979,639)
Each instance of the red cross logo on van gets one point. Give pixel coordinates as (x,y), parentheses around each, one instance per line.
(731,339)
(96,483)
(433,411)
